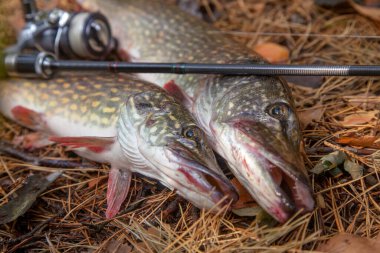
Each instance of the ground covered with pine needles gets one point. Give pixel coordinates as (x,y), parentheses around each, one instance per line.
(69,216)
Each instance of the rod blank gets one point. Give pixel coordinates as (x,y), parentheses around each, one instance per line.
(224,69)
(45,65)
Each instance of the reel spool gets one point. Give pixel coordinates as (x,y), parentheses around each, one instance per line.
(82,35)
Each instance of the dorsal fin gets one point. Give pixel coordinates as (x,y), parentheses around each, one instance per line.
(174,90)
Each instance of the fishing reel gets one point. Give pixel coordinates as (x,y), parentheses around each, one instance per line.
(65,35)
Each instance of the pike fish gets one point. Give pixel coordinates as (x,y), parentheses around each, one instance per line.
(250,120)
(134,125)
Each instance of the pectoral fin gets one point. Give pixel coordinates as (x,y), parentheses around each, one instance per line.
(118,186)
(93,144)
(32,140)
(28,118)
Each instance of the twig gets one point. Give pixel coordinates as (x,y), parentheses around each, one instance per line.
(30,233)
(326,150)
(336,147)
(7,148)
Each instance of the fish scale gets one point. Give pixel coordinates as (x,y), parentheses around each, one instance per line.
(250,120)
(95,101)
(132,124)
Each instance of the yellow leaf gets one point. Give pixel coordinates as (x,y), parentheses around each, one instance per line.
(309,115)
(371,12)
(346,243)
(362,141)
(359,118)
(272,52)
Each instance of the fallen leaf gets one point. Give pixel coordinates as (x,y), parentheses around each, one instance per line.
(310,114)
(248,211)
(25,196)
(272,52)
(372,2)
(320,201)
(258,7)
(155,232)
(94,182)
(264,219)
(363,141)
(355,170)
(245,199)
(370,12)
(329,162)
(346,243)
(359,118)
(116,246)
(139,247)
(306,81)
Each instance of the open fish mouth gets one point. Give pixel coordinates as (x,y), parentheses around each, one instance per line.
(292,188)
(203,186)
(275,174)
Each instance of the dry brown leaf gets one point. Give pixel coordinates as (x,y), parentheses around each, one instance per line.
(245,199)
(94,182)
(139,247)
(370,12)
(346,243)
(272,52)
(371,2)
(116,246)
(155,232)
(359,118)
(363,141)
(258,7)
(306,81)
(309,115)
(355,170)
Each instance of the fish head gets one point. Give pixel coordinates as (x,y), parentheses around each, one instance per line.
(256,130)
(177,151)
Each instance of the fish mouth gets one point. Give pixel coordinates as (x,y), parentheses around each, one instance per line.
(271,159)
(204,187)
(292,188)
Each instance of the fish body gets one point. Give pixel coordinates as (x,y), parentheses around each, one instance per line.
(250,120)
(134,125)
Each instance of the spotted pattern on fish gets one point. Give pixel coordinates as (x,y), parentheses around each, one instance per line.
(250,120)
(134,125)
(93,101)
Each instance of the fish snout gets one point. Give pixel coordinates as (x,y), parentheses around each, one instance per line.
(204,187)
(273,170)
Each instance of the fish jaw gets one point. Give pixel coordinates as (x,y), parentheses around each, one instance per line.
(159,139)
(181,170)
(206,186)
(267,166)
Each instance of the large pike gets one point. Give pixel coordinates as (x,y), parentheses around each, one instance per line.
(250,120)
(131,124)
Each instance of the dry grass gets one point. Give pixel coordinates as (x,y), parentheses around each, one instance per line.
(71,213)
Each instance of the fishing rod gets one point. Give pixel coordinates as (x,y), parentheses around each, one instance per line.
(46,65)
(57,40)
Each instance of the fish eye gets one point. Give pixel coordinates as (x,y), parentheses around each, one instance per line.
(190,132)
(279,111)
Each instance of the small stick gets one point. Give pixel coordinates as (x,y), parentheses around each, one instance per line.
(349,153)
(326,150)
(31,232)
(7,148)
